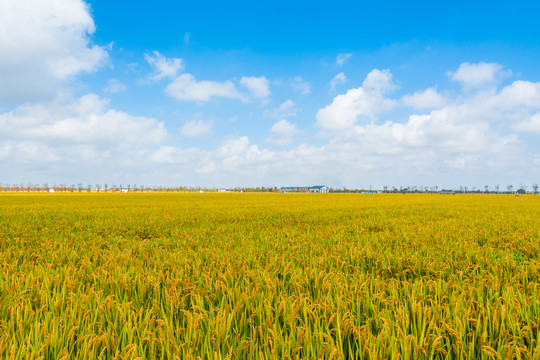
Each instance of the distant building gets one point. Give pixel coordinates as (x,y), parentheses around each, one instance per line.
(305,189)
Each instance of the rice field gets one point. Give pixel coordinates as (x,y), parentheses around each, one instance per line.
(269,276)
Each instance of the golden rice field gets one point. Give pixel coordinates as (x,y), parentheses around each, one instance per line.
(269,276)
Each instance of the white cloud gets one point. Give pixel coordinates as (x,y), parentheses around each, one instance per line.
(379,81)
(284,110)
(530,126)
(43,43)
(338,79)
(238,156)
(164,67)
(472,133)
(450,130)
(467,124)
(479,74)
(519,93)
(427,99)
(258,86)
(114,86)
(75,139)
(196,128)
(282,132)
(287,108)
(84,121)
(423,151)
(344,110)
(301,86)
(342,58)
(365,101)
(233,147)
(186,87)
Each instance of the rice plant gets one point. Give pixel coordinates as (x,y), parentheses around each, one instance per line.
(278,276)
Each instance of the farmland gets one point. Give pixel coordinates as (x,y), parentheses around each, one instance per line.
(87,276)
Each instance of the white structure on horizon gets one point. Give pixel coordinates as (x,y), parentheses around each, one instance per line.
(305,189)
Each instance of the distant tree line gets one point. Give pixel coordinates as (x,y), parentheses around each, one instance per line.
(125,188)
(120,188)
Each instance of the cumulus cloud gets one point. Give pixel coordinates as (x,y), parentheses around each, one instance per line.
(287,108)
(530,125)
(336,80)
(282,132)
(284,110)
(163,67)
(43,43)
(74,138)
(366,101)
(79,139)
(342,58)
(433,144)
(239,156)
(472,133)
(519,93)
(187,88)
(379,81)
(196,128)
(86,120)
(479,74)
(427,99)
(257,86)
(301,86)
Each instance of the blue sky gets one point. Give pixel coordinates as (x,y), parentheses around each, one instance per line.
(251,93)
